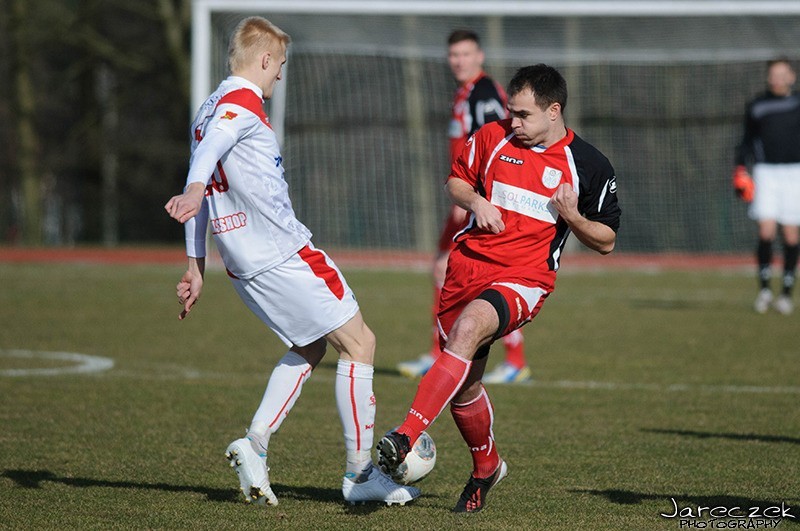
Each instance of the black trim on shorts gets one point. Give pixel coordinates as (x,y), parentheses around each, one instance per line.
(482,352)
(498,302)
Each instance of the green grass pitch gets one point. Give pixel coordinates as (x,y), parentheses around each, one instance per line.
(648,387)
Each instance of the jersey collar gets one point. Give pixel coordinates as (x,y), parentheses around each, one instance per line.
(558,145)
(245,83)
(474,80)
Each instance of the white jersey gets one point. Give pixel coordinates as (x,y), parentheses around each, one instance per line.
(235,153)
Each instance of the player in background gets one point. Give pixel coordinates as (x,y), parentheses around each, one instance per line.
(294,288)
(527,182)
(771,146)
(478,100)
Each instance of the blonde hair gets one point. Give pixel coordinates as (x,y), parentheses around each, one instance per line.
(251,37)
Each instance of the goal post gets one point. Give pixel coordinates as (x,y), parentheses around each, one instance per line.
(659,86)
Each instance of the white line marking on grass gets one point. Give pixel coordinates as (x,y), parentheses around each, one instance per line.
(84,363)
(669,388)
(322,375)
(593,385)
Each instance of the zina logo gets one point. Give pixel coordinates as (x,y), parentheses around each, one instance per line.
(512,160)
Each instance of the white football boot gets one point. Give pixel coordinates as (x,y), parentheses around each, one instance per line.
(763,301)
(505,373)
(252,471)
(378,487)
(783,305)
(416,368)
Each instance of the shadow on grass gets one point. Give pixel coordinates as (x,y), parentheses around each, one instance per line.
(627,497)
(32,479)
(732,436)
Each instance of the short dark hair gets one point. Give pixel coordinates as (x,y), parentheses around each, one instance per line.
(463,35)
(545,82)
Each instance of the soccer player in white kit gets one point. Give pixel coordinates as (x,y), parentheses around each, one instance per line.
(294,288)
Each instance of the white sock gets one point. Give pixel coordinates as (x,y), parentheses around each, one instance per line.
(259,443)
(282,391)
(356,404)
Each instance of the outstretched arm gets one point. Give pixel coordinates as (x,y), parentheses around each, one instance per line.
(593,234)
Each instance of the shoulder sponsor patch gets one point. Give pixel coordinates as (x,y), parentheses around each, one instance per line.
(612,185)
(229,115)
(551,177)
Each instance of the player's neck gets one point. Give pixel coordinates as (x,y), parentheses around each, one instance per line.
(554,136)
(473,79)
(781,93)
(252,77)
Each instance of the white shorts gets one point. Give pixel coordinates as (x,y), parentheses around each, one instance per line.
(777,193)
(301,300)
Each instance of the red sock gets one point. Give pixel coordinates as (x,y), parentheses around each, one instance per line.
(435,391)
(474,420)
(515,353)
(435,349)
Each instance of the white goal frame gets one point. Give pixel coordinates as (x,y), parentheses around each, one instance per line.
(573,48)
(202,83)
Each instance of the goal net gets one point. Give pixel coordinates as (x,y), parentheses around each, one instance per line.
(659,87)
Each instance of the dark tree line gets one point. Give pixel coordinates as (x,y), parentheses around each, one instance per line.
(94,107)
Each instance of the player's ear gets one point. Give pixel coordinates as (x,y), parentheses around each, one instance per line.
(265,57)
(554,110)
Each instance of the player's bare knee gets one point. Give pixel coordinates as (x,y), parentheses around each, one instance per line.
(366,346)
(355,343)
(467,333)
(791,234)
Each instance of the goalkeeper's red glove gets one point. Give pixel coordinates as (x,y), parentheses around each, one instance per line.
(743,184)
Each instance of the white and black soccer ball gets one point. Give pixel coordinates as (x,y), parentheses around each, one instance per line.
(419,462)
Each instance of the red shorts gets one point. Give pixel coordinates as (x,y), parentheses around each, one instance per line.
(468,277)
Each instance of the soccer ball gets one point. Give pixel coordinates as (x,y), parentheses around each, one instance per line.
(419,462)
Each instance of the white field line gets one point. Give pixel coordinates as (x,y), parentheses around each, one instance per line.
(663,388)
(82,363)
(85,363)
(186,373)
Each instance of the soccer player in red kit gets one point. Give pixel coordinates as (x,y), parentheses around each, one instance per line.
(527,182)
(479,100)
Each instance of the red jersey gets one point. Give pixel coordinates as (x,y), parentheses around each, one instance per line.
(520,181)
(475,104)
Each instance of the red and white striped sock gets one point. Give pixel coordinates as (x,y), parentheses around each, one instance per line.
(283,389)
(474,420)
(356,404)
(435,391)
